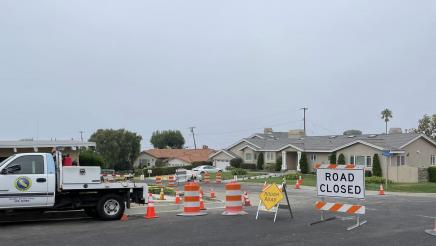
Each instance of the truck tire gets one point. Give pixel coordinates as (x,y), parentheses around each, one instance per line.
(110,207)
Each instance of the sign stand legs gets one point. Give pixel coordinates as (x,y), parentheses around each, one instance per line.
(323,219)
(358,223)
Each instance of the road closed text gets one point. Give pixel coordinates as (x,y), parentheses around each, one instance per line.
(341,183)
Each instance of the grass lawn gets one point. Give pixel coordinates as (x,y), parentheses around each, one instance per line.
(310,180)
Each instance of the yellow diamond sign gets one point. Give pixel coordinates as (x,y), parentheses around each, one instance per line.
(270,196)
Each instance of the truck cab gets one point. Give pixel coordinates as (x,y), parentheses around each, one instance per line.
(27,180)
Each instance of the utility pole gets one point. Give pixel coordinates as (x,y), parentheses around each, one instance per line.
(304,119)
(193,135)
(81,135)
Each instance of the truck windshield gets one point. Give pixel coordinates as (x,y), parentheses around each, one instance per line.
(6,160)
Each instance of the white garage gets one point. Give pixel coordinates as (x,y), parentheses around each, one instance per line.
(221,159)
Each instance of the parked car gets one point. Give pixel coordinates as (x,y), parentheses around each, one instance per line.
(207,168)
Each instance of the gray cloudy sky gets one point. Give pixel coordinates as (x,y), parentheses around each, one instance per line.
(229,68)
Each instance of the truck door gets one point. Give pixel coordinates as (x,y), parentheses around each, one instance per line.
(23,182)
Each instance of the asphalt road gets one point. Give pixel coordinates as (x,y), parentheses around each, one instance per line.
(392,220)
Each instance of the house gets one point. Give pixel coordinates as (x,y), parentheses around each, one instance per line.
(172,157)
(411,153)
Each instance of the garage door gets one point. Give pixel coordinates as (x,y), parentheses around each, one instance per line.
(221,164)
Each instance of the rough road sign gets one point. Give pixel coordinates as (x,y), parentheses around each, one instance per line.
(340,181)
(271,196)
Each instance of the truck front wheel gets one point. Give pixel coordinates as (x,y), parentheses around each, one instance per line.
(110,207)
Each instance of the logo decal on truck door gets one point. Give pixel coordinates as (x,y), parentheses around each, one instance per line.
(23,183)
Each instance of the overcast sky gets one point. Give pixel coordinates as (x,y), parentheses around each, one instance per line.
(229,68)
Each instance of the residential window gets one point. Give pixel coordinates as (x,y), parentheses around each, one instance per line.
(401,160)
(269,156)
(248,156)
(313,157)
(360,160)
(368,161)
(433,160)
(352,159)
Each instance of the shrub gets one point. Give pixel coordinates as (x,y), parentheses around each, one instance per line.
(432,174)
(260,161)
(332,158)
(239,171)
(156,190)
(229,168)
(249,166)
(376,180)
(376,168)
(236,162)
(341,159)
(368,173)
(90,158)
(271,167)
(294,176)
(279,163)
(304,167)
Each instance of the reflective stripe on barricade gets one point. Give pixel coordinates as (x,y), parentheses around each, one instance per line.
(233,199)
(338,207)
(191,205)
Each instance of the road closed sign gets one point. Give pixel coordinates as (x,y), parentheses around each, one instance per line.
(340,181)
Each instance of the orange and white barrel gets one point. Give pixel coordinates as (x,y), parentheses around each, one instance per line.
(233,199)
(171,181)
(218,178)
(206,178)
(158,180)
(191,204)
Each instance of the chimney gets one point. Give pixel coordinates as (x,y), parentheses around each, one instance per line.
(205,147)
(395,130)
(268,130)
(298,133)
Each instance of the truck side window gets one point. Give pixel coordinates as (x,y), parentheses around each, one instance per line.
(30,164)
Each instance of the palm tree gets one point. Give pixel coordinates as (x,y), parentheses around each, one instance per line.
(386,114)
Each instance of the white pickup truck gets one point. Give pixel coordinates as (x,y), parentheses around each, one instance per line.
(35,181)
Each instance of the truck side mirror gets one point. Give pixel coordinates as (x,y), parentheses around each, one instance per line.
(12,169)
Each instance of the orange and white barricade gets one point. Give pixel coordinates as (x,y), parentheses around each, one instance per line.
(233,199)
(191,204)
(206,177)
(158,180)
(218,178)
(346,181)
(171,181)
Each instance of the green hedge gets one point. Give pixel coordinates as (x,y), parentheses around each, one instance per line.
(432,174)
(239,171)
(376,180)
(248,166)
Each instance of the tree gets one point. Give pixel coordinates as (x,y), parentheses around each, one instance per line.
(427,126)
(332,158)
(236,162)
(352,132)
(386,114)
(376,168)
(260,161)
(304,166)
(119,148)
(91,158)
(341,159)
(172,139)
(279,163)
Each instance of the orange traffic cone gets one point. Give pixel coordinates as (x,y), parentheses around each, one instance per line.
(162,194)
(202,207)
(212,194)
(300,180)
(178,201)
(381,192)
(124,217)
(151,214)
(247,201)
(297,185)
(430,231)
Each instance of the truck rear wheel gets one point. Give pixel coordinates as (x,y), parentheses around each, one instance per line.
(110,207)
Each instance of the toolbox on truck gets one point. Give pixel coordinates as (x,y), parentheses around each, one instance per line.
(81,175)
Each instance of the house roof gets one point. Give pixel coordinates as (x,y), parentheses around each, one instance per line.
(277,141)
(188,155)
